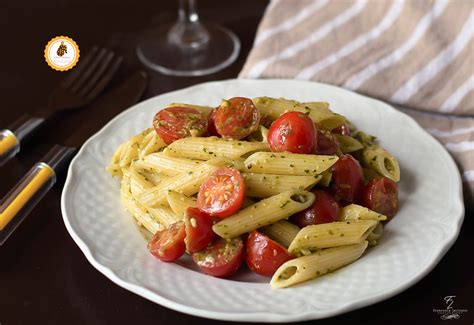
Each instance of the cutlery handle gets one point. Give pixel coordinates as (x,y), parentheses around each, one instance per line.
(10,138)
(19,202)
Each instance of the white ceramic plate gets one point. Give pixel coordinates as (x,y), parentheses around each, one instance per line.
(426,226)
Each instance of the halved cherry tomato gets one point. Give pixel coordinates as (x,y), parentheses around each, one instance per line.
(175,123)
(342,130)
(347,179)
(294,132)
(381,195)
(323,210)
(222,258)
(222,193)
(237,117)
(327,142)
(264,255)
(168,245)
(211,124)
(199,232)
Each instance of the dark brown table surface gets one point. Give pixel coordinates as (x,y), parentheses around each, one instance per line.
(44,277)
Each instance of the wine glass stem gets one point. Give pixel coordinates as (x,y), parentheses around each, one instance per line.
(188,33)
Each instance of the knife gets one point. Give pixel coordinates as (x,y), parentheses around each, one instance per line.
(24,196)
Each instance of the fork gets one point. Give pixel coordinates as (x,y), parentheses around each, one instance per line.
(79,88)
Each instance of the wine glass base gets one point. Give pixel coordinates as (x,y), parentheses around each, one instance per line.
(157,53)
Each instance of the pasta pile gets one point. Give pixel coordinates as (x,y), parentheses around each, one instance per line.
(159,182)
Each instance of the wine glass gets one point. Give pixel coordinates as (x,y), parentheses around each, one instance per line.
(188,47)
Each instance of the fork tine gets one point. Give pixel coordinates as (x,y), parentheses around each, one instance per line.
(72,76)
(96,75)
(105,78)
(88,71)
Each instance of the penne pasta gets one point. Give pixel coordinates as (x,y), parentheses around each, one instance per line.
(186,183)
(326,178)
(164,215)
(160,163)
(142,217)
(319,112)
(319,263)
(348,144)
(179,203)
(357,212)
(265,185)
(381,161)
(151,143)
(282,232)
(138,182)
(212,147)
(265,212)
(288,163)
(375,235)
(331,234)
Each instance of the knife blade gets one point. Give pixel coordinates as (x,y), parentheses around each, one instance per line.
(24,196)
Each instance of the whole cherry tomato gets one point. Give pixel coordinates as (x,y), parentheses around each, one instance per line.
(264,255)
(347,179)
(294,132)
(323,210)
(327,142)
(381,195)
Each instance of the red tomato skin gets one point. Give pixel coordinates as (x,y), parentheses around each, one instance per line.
(214,261)
(199,233)
(211,124)
(293,132)
(172,124)
(168,245)
(342,130)
(381,195)
(347,180)
(213,187)
(327,142)
(236,118)
(264,255)
(323,210)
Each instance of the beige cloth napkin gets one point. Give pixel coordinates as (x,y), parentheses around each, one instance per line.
(413,54)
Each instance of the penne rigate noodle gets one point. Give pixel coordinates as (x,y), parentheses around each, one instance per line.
(260,135)
(203,109)
(288,163)
(348,144)
(326,178)
(319,263)
(319,112)
(142,217)
(375,235)
(130,150)
(161,163)
(151,143)
(381,161)
(164,215)
(282,232)
(357,212)
(179,203)
(265,185)
(186,183)
(212,147)
(138,182)
(114,167)
(331,234)
(265,212)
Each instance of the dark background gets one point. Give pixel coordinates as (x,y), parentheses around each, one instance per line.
(44,277)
